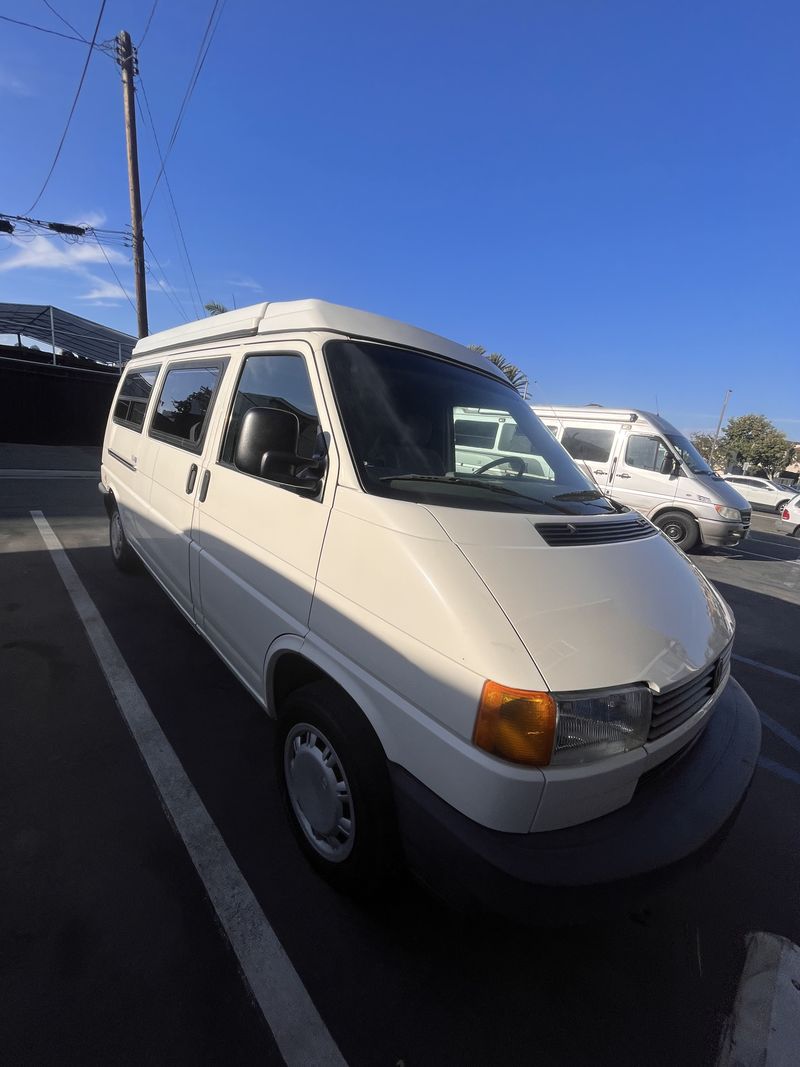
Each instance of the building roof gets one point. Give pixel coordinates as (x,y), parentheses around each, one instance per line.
(73,333)
(308,315)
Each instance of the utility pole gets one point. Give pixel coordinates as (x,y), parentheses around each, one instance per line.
(127,61)
(719,424)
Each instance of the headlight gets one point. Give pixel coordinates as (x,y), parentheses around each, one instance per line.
(538,729)
(598,725)
(729,513)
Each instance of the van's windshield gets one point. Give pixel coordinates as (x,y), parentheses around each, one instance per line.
(689,454)
(424,429)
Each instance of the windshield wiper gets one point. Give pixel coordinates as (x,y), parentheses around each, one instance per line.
(456,479)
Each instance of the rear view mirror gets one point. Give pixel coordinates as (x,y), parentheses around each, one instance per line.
(267,448)
(670,465)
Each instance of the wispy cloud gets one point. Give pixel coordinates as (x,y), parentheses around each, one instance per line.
(48,253)
(11,84)
(103,290)
(244,283)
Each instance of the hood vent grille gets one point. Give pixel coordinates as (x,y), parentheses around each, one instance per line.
(604,532)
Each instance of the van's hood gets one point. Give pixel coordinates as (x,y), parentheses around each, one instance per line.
(595,615)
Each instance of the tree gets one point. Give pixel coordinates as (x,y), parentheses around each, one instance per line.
(755,443)
(214,308)
(704,443)
(517,377)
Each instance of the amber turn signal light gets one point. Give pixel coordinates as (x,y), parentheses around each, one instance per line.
(516,724)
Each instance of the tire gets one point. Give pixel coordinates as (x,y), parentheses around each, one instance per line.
(124,557)
(779,507)
(680,528)
(325,745)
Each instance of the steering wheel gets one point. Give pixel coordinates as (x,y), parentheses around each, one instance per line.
(515,461)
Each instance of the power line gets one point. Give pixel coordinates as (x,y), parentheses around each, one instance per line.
(66,23)
(169,291)
(72,109)
(205,44)
(113,271)
(43,29)
(198,309)
(147,24)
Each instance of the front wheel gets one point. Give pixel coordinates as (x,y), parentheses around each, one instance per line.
(779,507)
(124,557)
(680,528)
(334,782)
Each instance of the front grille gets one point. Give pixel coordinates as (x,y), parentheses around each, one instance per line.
(604,532)
(678,704)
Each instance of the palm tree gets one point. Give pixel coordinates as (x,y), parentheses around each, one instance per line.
(517,377)
(215,308)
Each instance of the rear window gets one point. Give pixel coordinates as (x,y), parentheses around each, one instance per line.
(133,398)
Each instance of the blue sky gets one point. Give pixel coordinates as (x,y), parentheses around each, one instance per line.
(605,192)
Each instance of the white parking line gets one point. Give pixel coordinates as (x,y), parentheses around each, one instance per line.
(766,667)
(299,1031)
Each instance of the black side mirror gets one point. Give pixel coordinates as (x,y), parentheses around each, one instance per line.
(670,466)
(267,447)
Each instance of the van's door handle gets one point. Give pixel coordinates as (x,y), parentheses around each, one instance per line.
(599,472)
(623,475)
(192,478)
(204,485)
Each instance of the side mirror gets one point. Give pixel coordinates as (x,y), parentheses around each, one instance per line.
(670,466)
(267,447)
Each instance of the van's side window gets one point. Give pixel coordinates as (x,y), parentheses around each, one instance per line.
(184,404)
(131,404)
(473,433)
(274,381)
(646,453)
(584,442)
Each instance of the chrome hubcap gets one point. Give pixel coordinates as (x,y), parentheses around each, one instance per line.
(116,534)
(319,792)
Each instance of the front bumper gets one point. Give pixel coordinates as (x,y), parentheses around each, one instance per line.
(680,809)
(720,534)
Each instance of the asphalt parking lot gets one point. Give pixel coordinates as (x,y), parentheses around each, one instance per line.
(113,953)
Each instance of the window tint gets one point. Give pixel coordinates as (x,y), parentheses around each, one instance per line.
(279,381)
(586,443)
(513,440)
(474,434)
(646,453)
(184,404)
(131,404)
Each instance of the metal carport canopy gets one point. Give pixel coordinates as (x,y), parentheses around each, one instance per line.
(71,332)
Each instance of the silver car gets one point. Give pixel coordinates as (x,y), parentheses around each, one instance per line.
(762,493)
(789,518)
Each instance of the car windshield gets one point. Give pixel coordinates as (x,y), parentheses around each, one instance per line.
(689,454)
(424,429)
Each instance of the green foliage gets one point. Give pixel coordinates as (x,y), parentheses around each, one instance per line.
(704,443)
(755,443)
(214,308)
(517,377)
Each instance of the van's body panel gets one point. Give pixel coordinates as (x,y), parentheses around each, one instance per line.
(649,491)
(410,607)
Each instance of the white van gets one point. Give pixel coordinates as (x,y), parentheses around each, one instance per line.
(503,676)
(641,460)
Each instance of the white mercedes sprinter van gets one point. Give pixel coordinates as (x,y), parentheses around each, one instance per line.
(503,676)
(640,459)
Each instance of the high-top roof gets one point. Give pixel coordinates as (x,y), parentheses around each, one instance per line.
(307,315)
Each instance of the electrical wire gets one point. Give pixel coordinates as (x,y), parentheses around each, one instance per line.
(43,29)
(205,45)
(72,109)
(198,307)
(66,23)
(147,24)
(168,291)
(113,271)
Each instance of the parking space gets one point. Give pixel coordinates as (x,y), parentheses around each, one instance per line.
(116,954)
